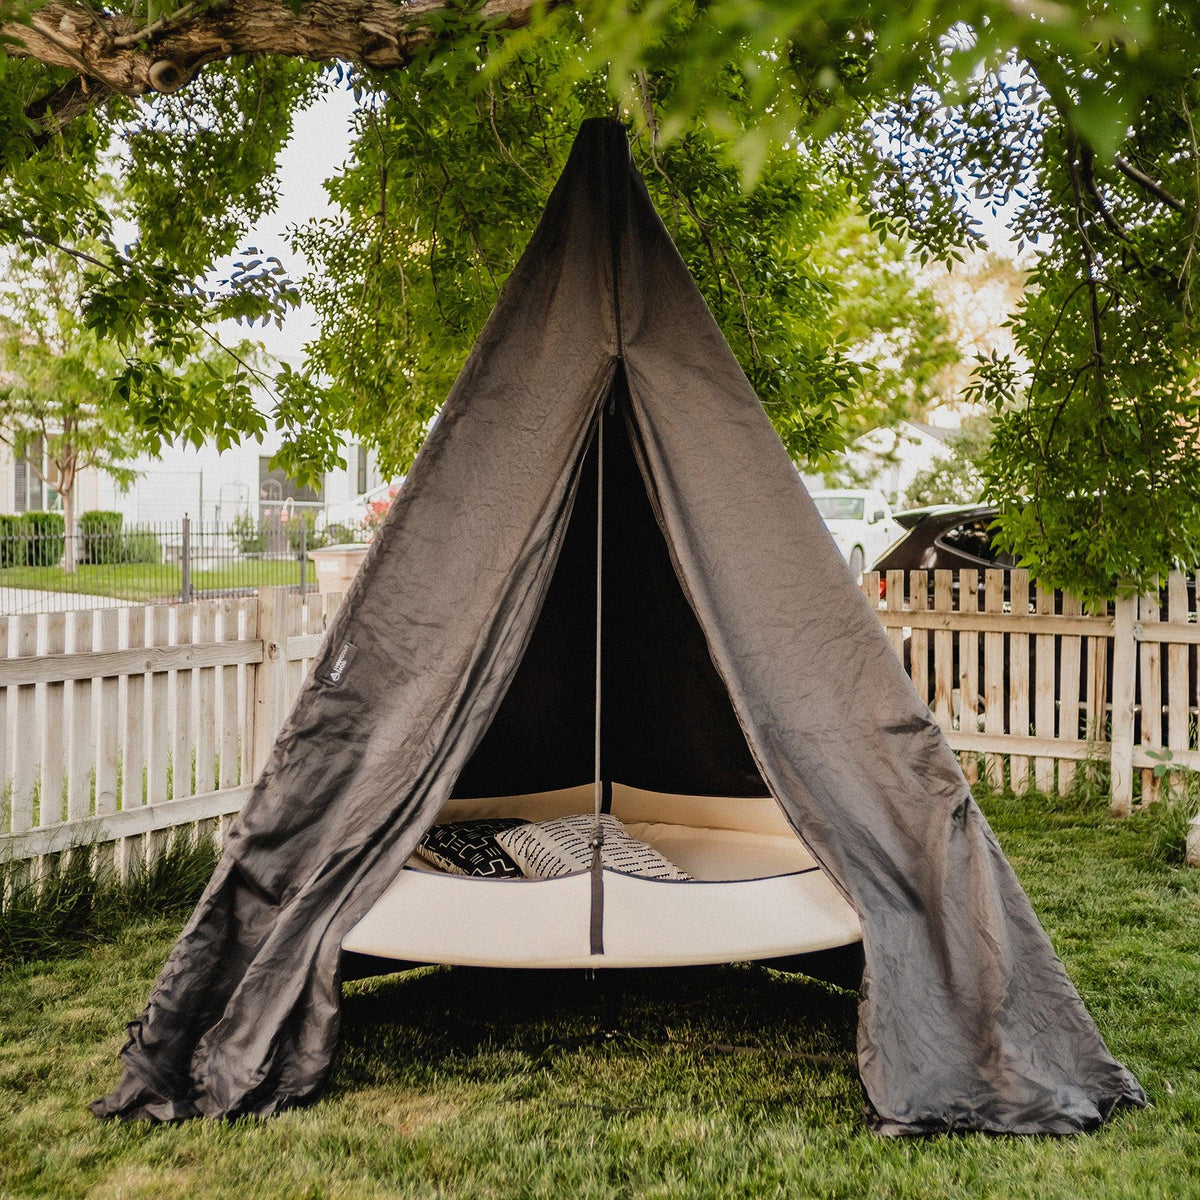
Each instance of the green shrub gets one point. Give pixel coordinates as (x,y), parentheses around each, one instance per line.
(12,545)
(45,538)
(247,535)
(338,535)
(1171,817)
(302,532)
(100,540)
(141,546)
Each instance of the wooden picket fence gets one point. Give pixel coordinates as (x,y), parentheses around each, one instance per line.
(118,725)
(1027,685)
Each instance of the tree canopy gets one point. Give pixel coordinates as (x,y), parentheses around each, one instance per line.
(762,126)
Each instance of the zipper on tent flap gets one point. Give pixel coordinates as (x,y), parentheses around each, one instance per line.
(596,923)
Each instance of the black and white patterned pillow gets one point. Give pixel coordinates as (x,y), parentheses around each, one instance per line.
(470,848)
(545,849)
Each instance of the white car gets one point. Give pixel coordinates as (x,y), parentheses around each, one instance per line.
(861,523)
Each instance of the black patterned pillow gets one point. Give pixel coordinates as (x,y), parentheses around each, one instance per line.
(470,848)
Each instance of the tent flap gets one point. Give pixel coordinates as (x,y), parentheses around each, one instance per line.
(967,1017)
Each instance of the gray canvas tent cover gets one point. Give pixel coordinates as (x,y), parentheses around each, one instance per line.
(967,1017)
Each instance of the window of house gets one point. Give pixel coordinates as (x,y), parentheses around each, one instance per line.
(30,493)
(275,484)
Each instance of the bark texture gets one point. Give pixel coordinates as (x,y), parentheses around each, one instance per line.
(116,53)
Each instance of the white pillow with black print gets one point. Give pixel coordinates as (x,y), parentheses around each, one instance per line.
(546,849)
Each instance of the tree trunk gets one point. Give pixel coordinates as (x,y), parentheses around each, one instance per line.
(70,558)
(115,52)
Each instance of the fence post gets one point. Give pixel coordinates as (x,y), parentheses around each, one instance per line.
(270,676)
(1124,668)
(303,555)
(185,586)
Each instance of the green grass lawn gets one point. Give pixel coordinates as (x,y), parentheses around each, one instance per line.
(154,581)
(728,1082)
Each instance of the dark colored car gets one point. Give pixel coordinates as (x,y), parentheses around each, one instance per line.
(951,537)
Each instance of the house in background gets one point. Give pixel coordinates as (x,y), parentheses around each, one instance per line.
(888,459)
(22,488)
(894,457)
(209,486)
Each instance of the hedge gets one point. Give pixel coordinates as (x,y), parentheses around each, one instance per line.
(100,537)
(32,539)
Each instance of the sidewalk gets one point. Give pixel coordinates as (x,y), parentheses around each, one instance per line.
(33,600)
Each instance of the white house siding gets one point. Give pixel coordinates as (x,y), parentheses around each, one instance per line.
(215,487)
(890,459)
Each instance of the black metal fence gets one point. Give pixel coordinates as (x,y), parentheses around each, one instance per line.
(106,562)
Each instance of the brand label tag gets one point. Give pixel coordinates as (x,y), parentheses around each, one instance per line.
(341,664)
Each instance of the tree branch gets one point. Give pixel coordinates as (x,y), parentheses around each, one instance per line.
(1089,262)
(115,53)
(1144,181)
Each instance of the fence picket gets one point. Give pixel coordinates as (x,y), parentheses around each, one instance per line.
(228,770)
(1043,701)
(1124,681)
(1097,689)
(993,673)
(1192,722)
(106,701)
(1018,679)
(205,632)
(133,723)
(26,727)
(1178,699)
(247,619)
(943,652)
(1070,667)
(52,710)
(81,738)
(5,740)
(158,742)
(895,603)
(182,688)
(1150,694)
(295,616)
(968,669)
(918,601)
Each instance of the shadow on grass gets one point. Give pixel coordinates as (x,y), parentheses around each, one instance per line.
(468,1024)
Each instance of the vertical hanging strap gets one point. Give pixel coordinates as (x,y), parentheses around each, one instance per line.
(597,841)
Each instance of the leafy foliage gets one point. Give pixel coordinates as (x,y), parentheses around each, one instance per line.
(445,188)
(58,409)
(1076,119)
(1099,435)
(888,321)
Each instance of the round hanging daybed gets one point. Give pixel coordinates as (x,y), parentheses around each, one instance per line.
(615,622)
(755,893)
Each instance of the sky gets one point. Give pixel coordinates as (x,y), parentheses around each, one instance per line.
(319,146)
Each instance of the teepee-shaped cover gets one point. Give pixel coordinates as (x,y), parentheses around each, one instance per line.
(967,1018)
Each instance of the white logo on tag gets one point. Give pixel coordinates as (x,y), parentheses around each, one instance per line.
(341,664)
